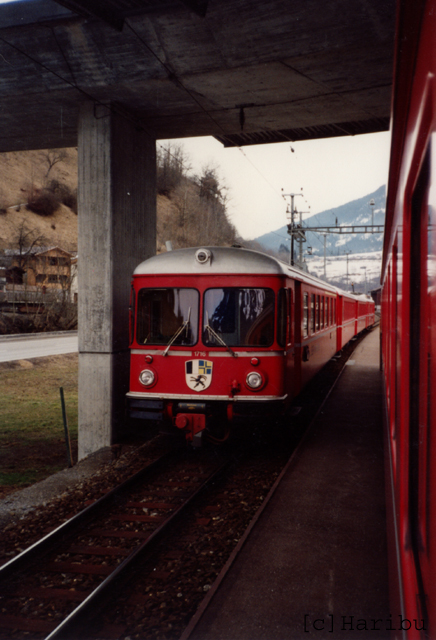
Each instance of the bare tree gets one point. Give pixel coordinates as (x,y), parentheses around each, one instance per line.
(172,166)
(210,188)
(24,241)
(53,156)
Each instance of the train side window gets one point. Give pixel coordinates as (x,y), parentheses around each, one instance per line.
(312,313)
(282,317)
(327,311)
(306,315)
(317,314)
(321,313)
(422,280)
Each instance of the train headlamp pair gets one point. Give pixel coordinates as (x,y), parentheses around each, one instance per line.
(254,379)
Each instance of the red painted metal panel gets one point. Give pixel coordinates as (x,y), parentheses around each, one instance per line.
(409,314)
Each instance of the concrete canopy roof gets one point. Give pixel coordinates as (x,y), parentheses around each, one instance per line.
(244,71)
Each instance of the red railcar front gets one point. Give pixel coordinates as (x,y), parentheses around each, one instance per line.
(220,334)
(208,341)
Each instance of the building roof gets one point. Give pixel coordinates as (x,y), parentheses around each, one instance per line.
(36,250)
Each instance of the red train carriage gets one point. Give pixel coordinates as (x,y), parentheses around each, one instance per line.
(219,334)
(409,324)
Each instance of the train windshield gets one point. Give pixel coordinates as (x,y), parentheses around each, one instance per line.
(163,313)
(239,317)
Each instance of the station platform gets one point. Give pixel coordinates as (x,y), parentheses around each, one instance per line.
(315,564)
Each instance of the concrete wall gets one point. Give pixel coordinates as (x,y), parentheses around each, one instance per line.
(117,230)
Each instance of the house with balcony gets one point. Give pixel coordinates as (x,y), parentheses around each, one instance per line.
(37,272)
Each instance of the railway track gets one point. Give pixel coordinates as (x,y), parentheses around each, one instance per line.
(157,597)
(47,590)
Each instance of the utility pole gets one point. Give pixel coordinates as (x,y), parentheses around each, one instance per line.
(325,255)
(365,279)
(347,254)
(372,205)
(301,237)
(290,212)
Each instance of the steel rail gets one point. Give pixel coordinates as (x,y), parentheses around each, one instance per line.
(74,623)
(70,528)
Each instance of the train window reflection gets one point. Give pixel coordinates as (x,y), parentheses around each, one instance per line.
(312,313)
(162,312)
(239,317)
(305,315)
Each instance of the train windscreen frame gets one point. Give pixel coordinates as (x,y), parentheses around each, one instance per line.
(163,312)
(238,317)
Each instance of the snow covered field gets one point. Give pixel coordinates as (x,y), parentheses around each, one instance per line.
(361,267)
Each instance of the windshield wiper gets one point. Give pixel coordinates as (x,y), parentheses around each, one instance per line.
(217,337)
(183,326)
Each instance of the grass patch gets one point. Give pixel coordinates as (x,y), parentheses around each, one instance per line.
(19,478)
(32,443)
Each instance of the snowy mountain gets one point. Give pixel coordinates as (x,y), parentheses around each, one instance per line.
(361,252)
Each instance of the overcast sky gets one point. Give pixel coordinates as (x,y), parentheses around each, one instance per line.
(331,172)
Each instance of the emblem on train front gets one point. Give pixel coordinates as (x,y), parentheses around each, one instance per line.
(198,374)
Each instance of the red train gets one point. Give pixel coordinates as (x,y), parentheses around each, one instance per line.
(221,334)
(409,323)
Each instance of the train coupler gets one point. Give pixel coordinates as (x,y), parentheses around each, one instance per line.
(193,424)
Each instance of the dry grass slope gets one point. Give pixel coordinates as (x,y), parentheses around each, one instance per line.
(185,215)
(24,173)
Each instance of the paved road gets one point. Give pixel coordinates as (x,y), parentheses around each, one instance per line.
(37,346)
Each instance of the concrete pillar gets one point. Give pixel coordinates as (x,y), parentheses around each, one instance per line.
(117,230)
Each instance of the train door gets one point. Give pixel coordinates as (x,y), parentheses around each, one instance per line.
(299,332)
(422,372)
(339,321)
(287,311)
(395,350)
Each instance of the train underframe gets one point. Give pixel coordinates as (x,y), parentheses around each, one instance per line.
(213,419)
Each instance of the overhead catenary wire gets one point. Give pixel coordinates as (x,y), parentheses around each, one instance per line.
(172,76)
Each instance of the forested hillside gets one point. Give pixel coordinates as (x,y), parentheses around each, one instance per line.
(38,201)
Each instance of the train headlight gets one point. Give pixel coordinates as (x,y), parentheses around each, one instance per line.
(254,380)
(147,377)
(203,255)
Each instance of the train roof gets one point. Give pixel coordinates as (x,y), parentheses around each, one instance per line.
(224,260)
(210,260)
